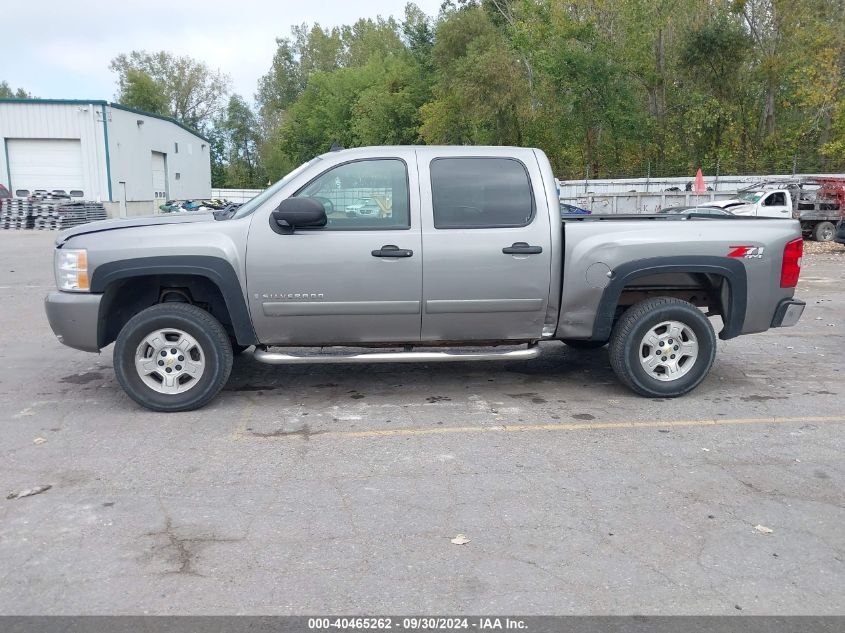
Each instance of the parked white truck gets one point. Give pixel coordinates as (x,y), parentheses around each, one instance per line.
(816,203)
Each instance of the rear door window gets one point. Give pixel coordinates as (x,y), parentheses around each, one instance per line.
(477,193)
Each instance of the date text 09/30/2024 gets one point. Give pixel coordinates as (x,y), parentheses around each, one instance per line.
(416,623)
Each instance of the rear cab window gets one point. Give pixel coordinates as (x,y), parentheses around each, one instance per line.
(477,193)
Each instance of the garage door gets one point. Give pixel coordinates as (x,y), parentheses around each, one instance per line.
(159,169)
(45,164)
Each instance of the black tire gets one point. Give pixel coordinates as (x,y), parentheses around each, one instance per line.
(210,336)
(824,232)
(583,344)
(634,324)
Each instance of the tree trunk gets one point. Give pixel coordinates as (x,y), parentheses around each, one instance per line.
(660,97)
(767,122)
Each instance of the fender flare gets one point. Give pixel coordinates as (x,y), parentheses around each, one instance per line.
(217,270)
(732,270)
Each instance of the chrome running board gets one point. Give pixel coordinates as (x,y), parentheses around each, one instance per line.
(278,358)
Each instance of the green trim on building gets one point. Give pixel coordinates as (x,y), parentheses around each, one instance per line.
(8,166)
(162,117)
(55,101)
(106,140)
(100,102)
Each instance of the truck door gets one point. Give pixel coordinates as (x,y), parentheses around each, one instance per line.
(356,280)
(775,205)
(487,247)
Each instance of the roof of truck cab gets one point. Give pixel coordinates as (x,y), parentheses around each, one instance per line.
(448,149)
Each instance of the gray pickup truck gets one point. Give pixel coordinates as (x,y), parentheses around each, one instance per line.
(459,253)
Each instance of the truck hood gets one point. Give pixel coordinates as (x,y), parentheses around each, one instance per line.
(128,223)
(733,205)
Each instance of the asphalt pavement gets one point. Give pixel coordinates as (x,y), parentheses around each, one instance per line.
(339,489)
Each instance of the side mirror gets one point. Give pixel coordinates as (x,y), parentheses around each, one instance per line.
(295,213)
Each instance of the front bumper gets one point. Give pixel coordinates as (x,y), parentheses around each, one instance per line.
(788,312)
(74,318)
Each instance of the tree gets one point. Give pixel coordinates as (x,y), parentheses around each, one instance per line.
(193,93)
(6,92)
(241,140)
(604,87)
(481,89)
(714,57)
(418,36)
(142,92)
(297,58)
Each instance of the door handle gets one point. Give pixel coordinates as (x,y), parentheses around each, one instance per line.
(522,248)
(391,250)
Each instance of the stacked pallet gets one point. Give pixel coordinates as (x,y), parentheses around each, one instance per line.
(66,214)
(43,207)
(16,213)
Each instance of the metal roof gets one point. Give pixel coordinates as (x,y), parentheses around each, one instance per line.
(101,102)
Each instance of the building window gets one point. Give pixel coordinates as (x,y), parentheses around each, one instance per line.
(178,175)
(175,148)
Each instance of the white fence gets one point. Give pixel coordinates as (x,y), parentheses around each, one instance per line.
(574,188)
(234,195)
(650,195)
(612,203)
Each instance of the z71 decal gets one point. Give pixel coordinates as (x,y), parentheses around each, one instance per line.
(748,252)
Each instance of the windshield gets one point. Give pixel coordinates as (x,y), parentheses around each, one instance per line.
(252,204)
(751,196)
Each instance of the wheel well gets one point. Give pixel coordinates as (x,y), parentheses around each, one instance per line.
(717,283)
(124,298)
(704,290)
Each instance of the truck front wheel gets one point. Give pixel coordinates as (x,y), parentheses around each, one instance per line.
(662,347)
(172,357)
(824,232)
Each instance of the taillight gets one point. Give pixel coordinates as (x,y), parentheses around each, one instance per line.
(791,266)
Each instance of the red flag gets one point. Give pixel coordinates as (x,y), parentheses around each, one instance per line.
(699,182)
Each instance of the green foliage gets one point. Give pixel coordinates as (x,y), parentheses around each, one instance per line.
(361,84)
(604,87)
(240,135)
(6,92)
(142,92)
(184,88)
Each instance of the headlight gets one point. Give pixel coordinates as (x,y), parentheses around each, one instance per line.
(71,267)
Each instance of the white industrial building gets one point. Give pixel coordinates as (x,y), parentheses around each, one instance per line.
(131,161)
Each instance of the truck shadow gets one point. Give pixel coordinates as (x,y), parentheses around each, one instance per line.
(558,367)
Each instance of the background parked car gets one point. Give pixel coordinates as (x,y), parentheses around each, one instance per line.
(364,208)
(571,209)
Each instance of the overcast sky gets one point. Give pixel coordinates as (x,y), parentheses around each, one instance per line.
(61,49)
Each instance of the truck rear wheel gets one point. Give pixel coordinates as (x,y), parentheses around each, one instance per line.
(824,232)
(662,347)
(172,357)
